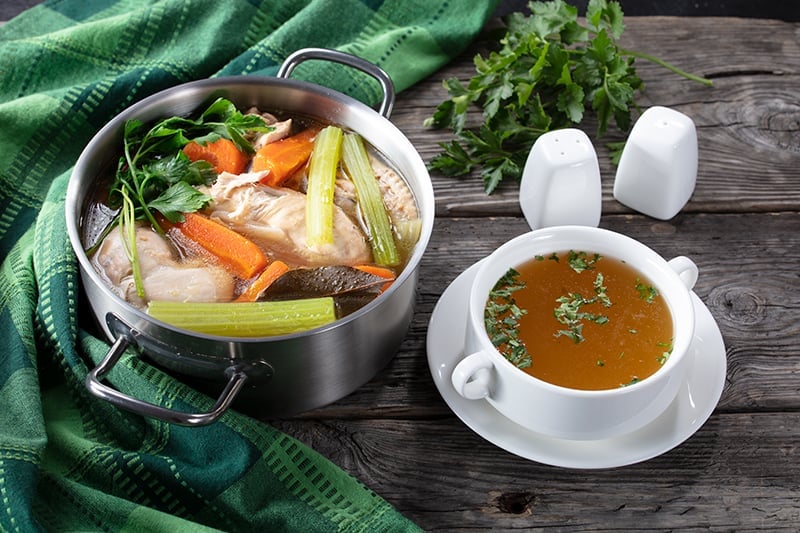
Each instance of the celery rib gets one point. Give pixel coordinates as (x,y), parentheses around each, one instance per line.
(321,179)
(370,200)
(246,319)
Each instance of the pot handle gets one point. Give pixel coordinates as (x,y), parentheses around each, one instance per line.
(236,381)
(295,58)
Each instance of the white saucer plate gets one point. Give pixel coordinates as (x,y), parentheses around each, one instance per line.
(694,403)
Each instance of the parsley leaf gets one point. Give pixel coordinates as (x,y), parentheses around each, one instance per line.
(550,72)
(154,176)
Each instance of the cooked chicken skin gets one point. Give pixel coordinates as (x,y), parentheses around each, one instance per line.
(275,219)
(163,277)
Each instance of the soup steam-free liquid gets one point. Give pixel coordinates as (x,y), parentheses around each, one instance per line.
(592,322)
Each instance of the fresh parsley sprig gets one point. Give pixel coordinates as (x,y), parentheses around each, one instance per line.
(549,73)
(158,176)
(155,176)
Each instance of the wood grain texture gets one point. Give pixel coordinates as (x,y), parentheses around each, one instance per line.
(740,471)
(748,122)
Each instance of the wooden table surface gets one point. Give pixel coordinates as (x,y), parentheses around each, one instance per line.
(741,469)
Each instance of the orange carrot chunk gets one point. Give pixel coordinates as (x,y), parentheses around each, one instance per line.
(236,252)
(284,157)
(223,155)
(273,271)
(379,271)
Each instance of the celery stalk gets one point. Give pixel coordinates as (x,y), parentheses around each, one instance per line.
(246,319)
(407,235)
(321,179)
(370,200)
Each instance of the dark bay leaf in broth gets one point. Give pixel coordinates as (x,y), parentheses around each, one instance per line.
(335,281)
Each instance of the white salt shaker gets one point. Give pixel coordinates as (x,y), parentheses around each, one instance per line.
(658,168)
(561,181)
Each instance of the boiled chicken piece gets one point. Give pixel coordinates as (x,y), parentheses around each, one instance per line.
(163,276)
(397,197)
(186,283)
(275,218)
(280,130)
(111,259)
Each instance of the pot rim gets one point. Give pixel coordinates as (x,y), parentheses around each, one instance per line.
(85,169)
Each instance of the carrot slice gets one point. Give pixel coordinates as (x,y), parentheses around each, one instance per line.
(239,254)
(273,271)
(223,155)
(285,157)
(379,271)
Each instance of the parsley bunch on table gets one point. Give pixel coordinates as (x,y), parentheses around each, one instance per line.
(550,73)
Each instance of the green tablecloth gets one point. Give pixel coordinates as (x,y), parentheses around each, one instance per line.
(70,462)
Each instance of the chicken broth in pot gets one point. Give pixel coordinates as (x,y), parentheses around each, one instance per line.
(249,223)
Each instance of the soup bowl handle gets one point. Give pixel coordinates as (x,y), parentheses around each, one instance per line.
(686,270)
(472,376)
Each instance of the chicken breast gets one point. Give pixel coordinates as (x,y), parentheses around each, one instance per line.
(275,218)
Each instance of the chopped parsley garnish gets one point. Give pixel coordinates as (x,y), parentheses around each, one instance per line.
(665,355)
(580,261)
(502,316)
(571,311)
(647,293)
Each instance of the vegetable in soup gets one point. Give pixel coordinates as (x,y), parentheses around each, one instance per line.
(225,210)
(580,320)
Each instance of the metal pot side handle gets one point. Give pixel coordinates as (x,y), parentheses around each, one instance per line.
(235,383)
(304,54)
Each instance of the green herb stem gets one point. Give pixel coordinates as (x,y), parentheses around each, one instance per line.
(128,228)
(667,65)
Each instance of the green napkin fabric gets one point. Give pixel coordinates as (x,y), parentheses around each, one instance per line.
(68,461)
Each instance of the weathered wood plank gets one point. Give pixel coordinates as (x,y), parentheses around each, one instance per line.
(738,472)
(748,123)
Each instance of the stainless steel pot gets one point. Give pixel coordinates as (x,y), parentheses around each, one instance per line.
(270,376)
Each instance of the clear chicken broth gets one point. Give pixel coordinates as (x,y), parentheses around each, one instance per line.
(590,322)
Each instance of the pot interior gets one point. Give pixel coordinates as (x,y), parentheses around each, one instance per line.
(269,94)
